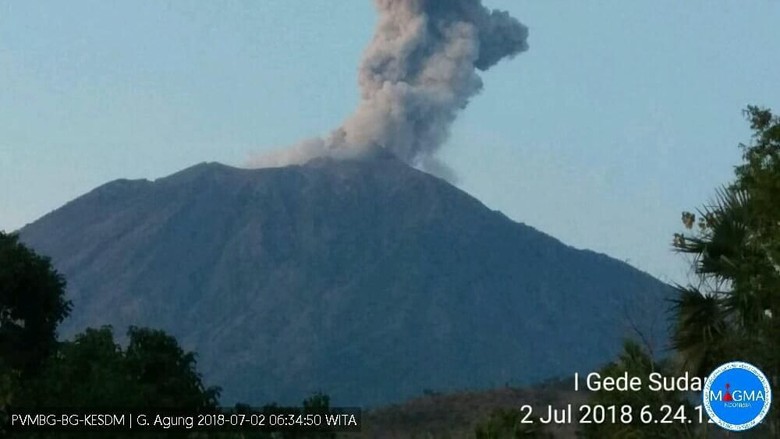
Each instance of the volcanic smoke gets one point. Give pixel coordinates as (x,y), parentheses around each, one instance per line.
(418,72)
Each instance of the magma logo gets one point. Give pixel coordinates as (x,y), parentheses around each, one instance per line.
(737,396)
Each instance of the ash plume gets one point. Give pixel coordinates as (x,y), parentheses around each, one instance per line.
(417,73)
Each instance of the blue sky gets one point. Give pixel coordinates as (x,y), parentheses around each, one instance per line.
(621,115)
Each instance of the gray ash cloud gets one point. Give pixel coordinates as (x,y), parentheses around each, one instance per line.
(420,69)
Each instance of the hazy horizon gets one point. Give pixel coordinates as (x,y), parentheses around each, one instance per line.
(617,118)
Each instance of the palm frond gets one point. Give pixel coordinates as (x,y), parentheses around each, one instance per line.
(701,326)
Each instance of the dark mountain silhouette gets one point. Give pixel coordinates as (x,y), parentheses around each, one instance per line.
(368,280)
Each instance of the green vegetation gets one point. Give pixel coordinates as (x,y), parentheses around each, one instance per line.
(152,371)
(32,304)
(733,310)
(93,371)
(735,246)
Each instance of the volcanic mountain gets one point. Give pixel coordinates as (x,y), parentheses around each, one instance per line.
(365,279)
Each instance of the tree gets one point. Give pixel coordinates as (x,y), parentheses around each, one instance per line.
(734,309)
(94,371)
(759,178)
(165,375)
(716,318)
(32,304)
(86,372)
(90,372)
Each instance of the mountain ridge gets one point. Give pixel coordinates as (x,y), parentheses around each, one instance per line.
(325,276)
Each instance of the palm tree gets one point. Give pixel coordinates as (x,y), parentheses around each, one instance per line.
(733,310)
(725,312)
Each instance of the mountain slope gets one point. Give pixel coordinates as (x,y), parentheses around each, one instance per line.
(368,280)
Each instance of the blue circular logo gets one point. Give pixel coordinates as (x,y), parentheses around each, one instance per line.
(737,396)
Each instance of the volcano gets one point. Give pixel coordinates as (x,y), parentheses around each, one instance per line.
(366,279)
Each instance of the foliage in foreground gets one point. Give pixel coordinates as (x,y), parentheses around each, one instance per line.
(93,371)
(732,309)
(32,304)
